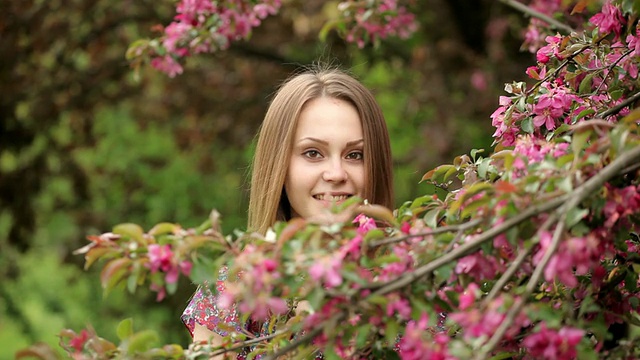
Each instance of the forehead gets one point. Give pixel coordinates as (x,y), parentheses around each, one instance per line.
(328,116)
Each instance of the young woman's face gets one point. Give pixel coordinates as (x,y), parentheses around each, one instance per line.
(326,164)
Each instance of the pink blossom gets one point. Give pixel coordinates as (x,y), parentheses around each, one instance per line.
(389,19)
(477,265)
(263,306)
(400,306)
(621,203)
(399,267)
(77,342)
(633,42)
(551,49)
(468,297)
(551,344)
(417,343)
(167,64)
(609,20)
(574,255)
(535,150)
(479,80)
(476,323)
(351,249)
(552,105)
(365,224)
(174,33)
(160,258)
(327,269)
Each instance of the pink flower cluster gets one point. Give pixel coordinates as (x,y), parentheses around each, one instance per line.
(621,204)
(482,322)
(553,345)
(575,255)
(552,105)
(535,150)
(577,93)
(415,346)
(551,49)
(372,20)
(258,278)
(327,269)
(503,120)
(202,26)
(163,259)
(534,34)
(609,20)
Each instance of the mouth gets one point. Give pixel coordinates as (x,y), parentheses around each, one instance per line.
(332,197)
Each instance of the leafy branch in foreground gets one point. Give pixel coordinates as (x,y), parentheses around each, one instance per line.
(530,252)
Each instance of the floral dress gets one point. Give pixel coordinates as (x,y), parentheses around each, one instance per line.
(203,309)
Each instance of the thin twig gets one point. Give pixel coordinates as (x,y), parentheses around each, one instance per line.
(306,338)
(536,14)
(466,248)
(499,285)
(533,282)
(580,194)
(614,110)
(460,227)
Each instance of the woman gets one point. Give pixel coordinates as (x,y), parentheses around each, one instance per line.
(323,139)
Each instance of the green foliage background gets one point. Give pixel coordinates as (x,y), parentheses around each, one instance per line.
(86,144)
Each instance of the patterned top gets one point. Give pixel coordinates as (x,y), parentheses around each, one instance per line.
(203,309)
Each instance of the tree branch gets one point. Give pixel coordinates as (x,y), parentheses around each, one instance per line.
(460,227)
(614,110)
(580,194)
(536,14)
(306,338)
(466,248)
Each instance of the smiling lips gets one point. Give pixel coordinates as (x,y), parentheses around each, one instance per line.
(331,197)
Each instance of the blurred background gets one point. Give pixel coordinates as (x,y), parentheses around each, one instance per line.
(84,145)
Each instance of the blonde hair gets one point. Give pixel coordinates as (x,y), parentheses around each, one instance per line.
(268,202)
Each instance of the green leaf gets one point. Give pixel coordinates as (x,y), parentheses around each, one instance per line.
(113,272)
(133,231)
(483,167)
(503,355)
(584,113)
(391,331)
(330,354)
(585,84)
(142,341)
(431,218)
(363,335)
(527,125)
(472,207)
(374,234)
(172,287)
(474,152)
(586,350)
(95,254)
(315,297)
(132,280)
(163,228)
(125,329)
(575,215)
(579,140)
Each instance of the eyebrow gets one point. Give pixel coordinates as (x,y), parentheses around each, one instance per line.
(350,143)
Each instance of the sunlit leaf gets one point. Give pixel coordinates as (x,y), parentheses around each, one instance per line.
(130,230)
(125,329)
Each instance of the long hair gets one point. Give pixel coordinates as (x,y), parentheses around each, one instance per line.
(268,202)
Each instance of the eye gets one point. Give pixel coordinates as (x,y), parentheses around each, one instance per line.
(312,154)
(355,155)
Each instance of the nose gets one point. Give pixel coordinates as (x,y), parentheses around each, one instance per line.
(335,172)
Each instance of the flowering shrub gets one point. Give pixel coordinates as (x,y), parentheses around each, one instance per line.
(530,252)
